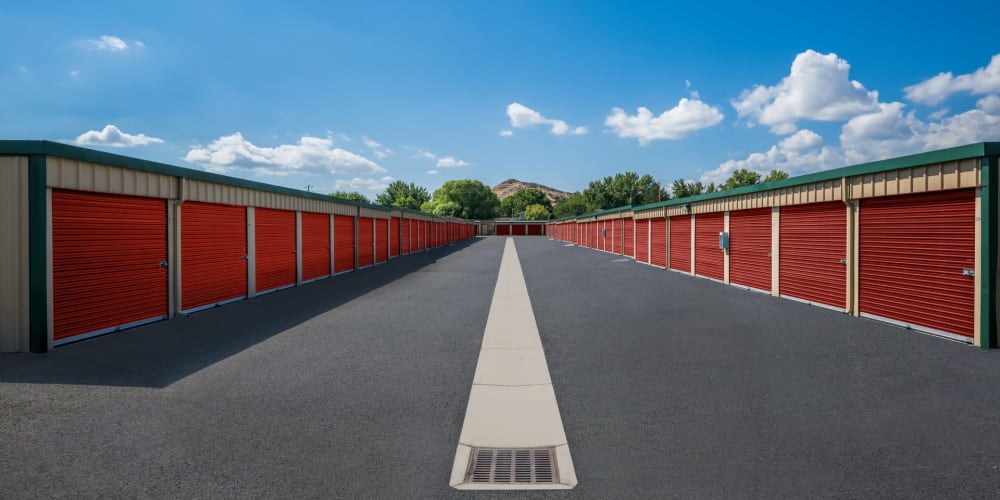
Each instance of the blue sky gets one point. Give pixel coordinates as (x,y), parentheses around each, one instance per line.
(352,95)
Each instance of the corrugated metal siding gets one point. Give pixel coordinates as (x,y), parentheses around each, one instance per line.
(658,241)
(63,173)
(366,255)
(315,245)
(381,240)
(935,177)
(709,259)
(106,255)
(642,240)
(680,243)
(812,241)
(913,252)
(629,232)
(343,243)
(14,254)
(231,195)
(750,248)
(651,213)
(274,248)
(213,254)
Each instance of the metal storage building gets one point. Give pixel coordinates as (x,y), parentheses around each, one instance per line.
(910,241)
(93,242)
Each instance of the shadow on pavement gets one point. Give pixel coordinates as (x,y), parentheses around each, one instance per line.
(159,354)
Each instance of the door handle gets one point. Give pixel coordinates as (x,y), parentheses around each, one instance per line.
(968,272)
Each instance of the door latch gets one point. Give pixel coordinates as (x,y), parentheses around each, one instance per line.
(163,264)
(968,272)
(843,261)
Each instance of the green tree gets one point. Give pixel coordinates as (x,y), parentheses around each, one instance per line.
(472,200)
(351,195)
(740,178)
(572,205)
(536,211)
(623,189)
(402,194)
(776,175)
(517,202)
(683,189)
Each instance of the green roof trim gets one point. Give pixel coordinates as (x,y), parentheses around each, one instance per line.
(981,149)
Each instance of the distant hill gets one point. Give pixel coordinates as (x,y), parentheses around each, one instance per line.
(511,186)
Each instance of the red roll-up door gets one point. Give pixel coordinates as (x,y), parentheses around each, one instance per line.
(381,240)
(535,230)
(315,245)
(658,242)
(274,248)
(642,240)
(213,254)
(914,251)
(503,229)
(616,236)
(709,260)
(750,248)
(813,241)
(404,247)
(394,244)
(107,252)
(343,242)
(680,243)
(594,234)
(366,236)
(629,233)
(522,229)
(429,234)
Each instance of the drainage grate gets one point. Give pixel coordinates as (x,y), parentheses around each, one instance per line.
(512,466)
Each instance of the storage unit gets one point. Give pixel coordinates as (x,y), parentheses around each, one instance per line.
(709,259)
(366,242)
(315,247)
(680,243)
(381,240)
(616,236)
(109,263)
(918,260)
(394,237)
(642,240)
(750,248)
(343,243)
(214,254)
(503,229)
(405,238)
(812,243)
(535,230)
(274,249)
(658,242)
(629,237)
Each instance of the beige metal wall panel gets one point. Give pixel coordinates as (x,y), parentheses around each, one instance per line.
(927,178)
(651,213)
(613,216)
(231,195)
(63,173)
(375,214)
(13,254)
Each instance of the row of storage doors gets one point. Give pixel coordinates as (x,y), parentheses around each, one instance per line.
(110,255)
(519,229)
(916,254)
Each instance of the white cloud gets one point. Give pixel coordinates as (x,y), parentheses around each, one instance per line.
(817,87)
(312,155)
(378,150)
(939,114)
(111,136)
(371,185)
(688,117)
(432,172)
(451,162)
(441,161)
(522,116)
(798,154)
(932,91)
(109,43)
(506,133)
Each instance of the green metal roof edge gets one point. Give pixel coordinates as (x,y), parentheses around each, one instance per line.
(942,155)
(51,148)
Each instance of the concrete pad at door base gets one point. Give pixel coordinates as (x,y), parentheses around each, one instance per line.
(512,367)
(512,417)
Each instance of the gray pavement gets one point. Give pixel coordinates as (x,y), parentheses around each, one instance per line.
(355,387)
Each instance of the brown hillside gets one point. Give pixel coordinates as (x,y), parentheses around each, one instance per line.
(511,186)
